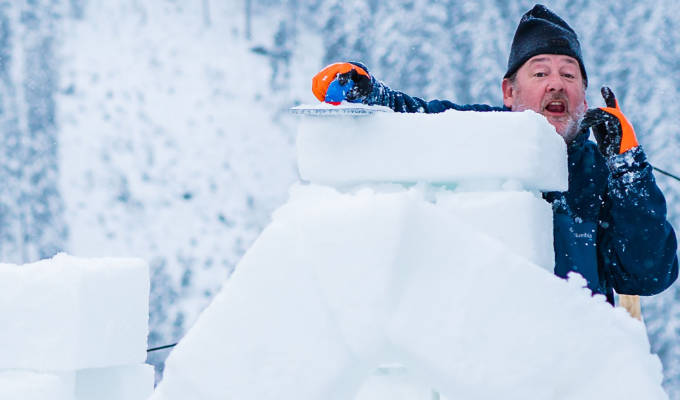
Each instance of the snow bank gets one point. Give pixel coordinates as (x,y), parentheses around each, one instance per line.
(74,329)
(453,146)
(69,313)
(342,282)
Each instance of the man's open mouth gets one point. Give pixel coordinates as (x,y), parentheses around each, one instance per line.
(556,107)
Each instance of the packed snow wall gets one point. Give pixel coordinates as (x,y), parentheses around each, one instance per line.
(74,329)
(420,240)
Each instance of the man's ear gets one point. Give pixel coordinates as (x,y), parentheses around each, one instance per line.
(508,92)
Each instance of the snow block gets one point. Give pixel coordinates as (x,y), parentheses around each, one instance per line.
(483,323)
(284,326)
(129,382)
(29,385)
(340,283)
(351,241)
(522,221)
(451,147)
(267,335)
(68,313)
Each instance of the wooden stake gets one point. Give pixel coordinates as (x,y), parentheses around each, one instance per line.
(632,305)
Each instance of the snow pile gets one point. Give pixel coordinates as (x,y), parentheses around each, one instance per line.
(446,283)
(74,329)
(454,146)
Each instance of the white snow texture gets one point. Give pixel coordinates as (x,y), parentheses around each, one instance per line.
(75,329)
(346,279)
(454,146)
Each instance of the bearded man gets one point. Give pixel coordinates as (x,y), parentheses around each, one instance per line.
(610,225)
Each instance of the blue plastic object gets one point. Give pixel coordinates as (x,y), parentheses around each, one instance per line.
(336,92)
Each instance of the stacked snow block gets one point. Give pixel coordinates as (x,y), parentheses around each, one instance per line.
(443,266)
(492,166)
(489,149)
(74,329)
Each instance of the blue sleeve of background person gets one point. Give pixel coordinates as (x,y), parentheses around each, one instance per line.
(401,102)
(638,246)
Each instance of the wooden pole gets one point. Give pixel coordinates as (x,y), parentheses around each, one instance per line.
(632,305)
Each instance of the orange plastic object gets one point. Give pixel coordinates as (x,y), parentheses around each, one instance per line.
(323,79)
(628,139)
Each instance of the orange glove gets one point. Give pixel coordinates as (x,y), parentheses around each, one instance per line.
(343,72)
(613,132)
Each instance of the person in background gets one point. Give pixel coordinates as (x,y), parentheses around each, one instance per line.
(610,226)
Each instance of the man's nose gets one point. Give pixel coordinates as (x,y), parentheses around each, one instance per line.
(555,83)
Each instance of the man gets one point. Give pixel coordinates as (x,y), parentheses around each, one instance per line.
(610,226)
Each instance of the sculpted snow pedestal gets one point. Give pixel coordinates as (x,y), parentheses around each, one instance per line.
(454,281)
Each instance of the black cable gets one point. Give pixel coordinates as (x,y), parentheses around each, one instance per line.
(167,346)
(666,173)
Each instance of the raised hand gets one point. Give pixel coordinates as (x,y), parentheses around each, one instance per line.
(613,133)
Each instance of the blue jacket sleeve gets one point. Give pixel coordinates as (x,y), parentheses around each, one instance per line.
(400,102)
(638,247)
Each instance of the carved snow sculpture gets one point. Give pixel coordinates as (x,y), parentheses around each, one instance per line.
(453,281)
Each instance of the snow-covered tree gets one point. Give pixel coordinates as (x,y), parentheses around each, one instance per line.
(31,208)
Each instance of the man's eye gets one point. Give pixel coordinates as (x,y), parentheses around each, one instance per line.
(539,74)
(569,76)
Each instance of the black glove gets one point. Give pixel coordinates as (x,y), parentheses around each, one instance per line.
(613,133)
(362,83)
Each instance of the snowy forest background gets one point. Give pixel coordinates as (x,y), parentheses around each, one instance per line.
(159,129)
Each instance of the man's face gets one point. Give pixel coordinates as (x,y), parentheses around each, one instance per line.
(551,85)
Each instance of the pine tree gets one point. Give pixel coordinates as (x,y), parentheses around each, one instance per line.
(31,215)
(662,143)
(348,30)
(10,144)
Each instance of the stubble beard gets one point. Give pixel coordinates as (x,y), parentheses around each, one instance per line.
(569,123)
(572,128)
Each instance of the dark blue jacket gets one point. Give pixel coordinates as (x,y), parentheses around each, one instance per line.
(610,225)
